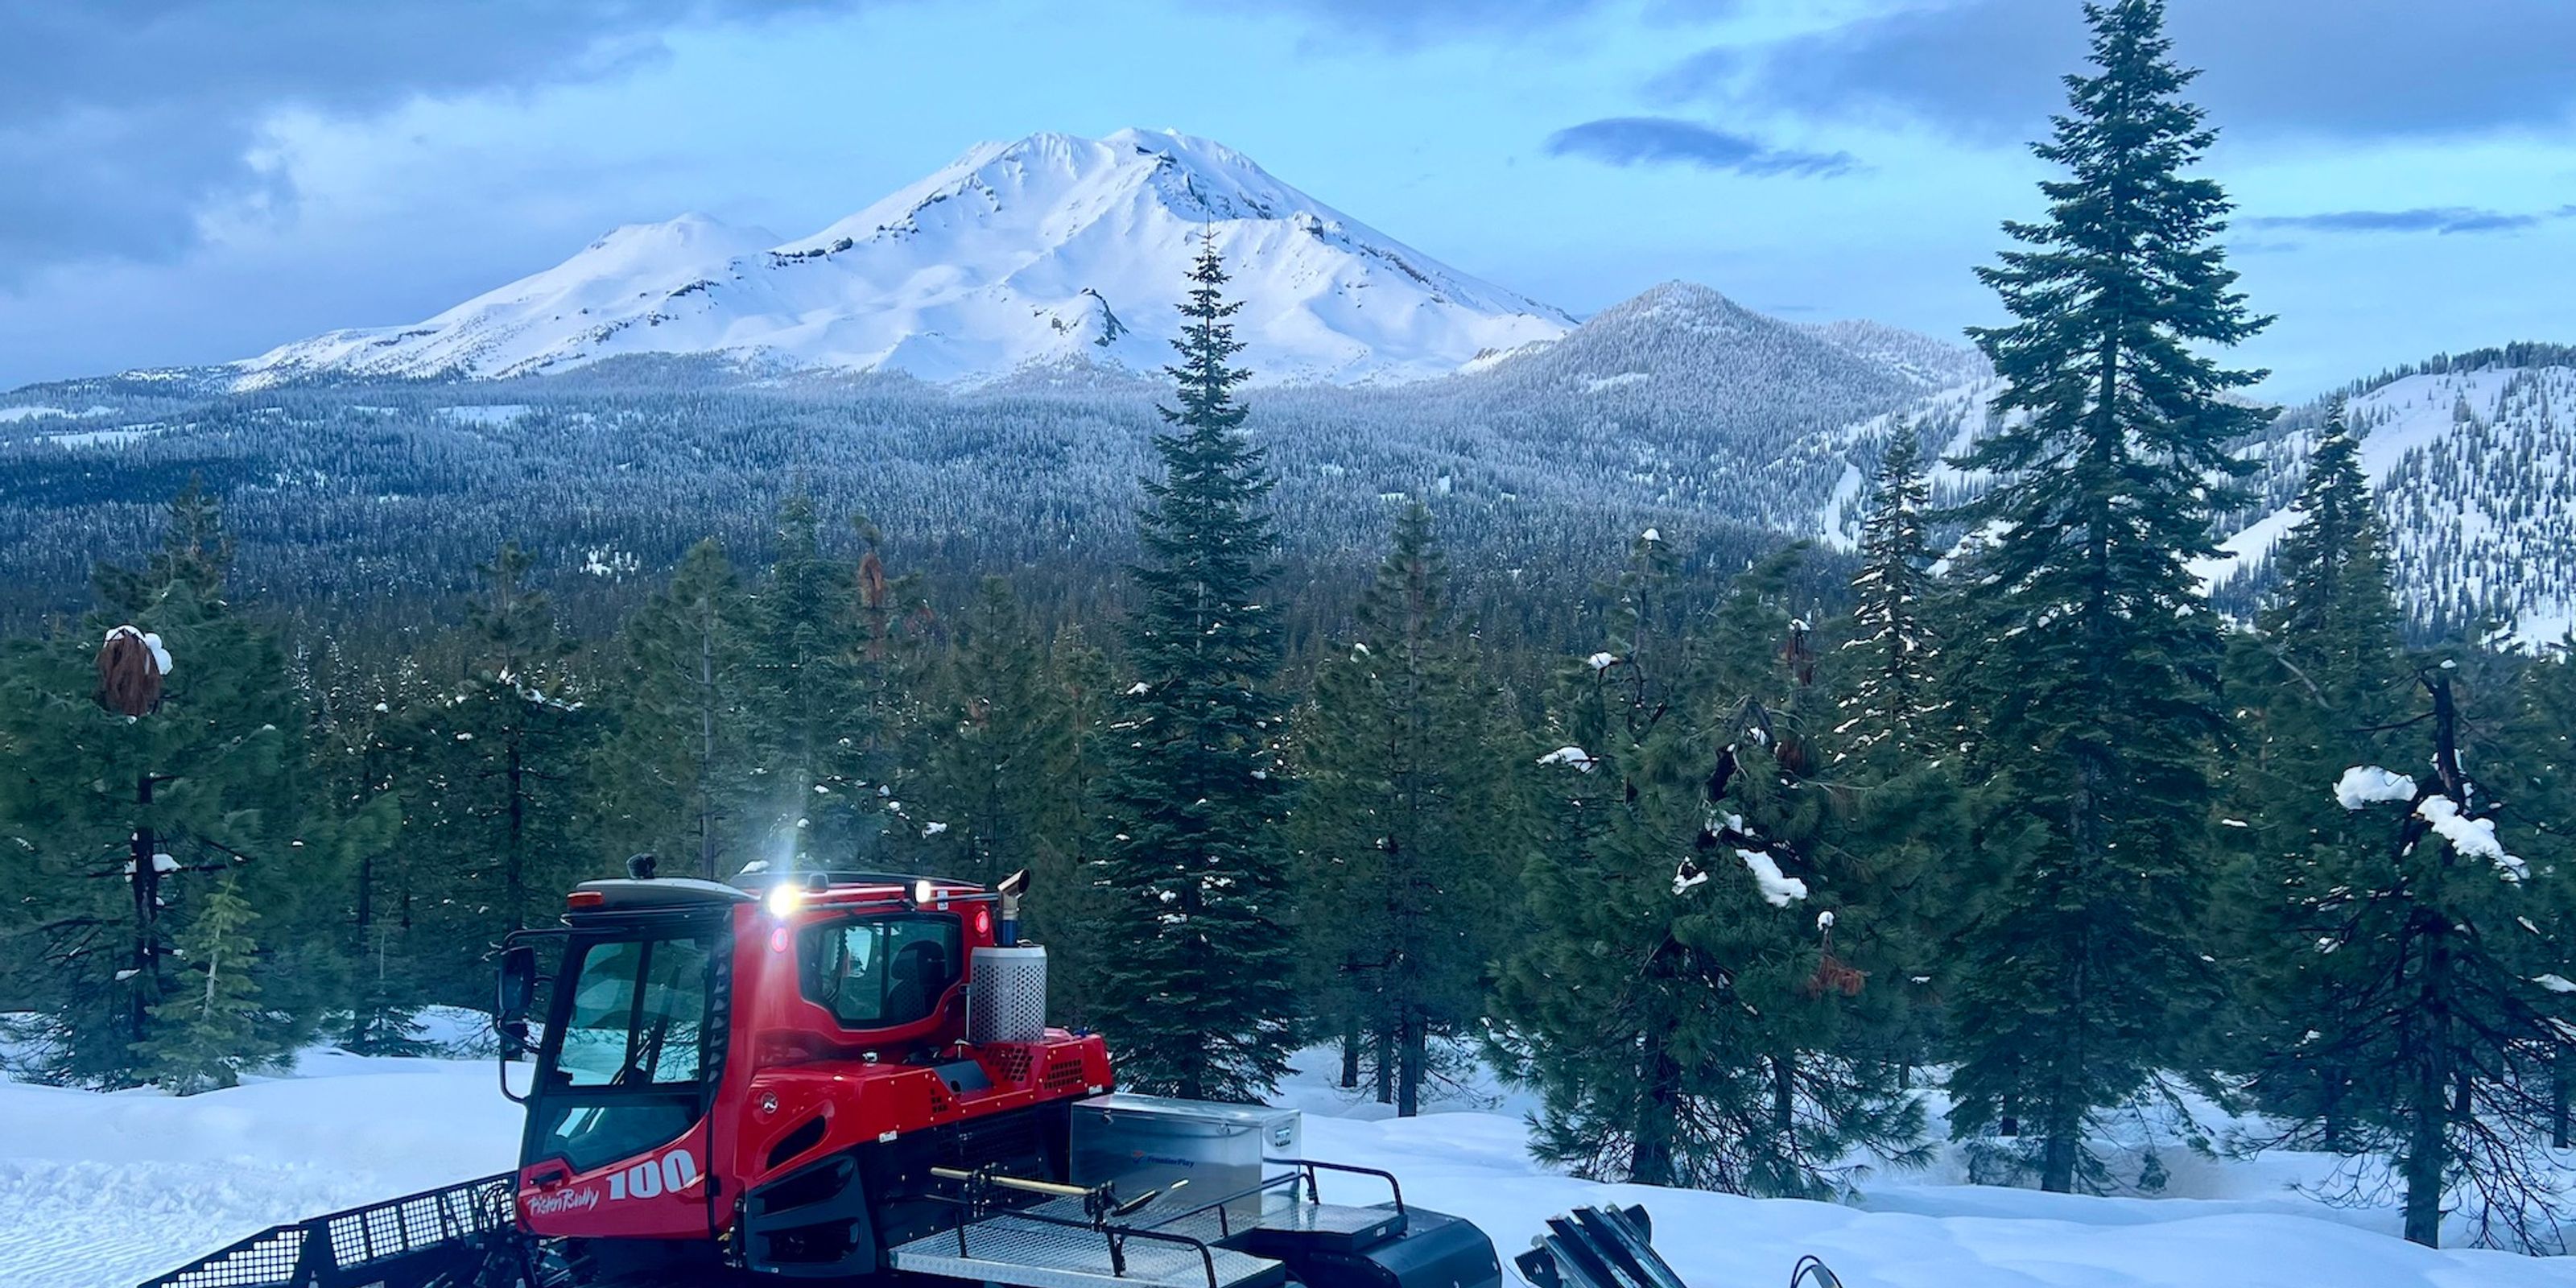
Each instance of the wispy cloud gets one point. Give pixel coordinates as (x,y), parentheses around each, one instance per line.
(1988,69)
(2444,220)
(1664,140)
(121,122)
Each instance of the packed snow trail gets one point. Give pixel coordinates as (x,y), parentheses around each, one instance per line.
(100,1191)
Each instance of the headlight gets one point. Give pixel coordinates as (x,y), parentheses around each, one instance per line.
(784,899)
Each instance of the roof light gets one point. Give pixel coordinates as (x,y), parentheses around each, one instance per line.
(585,899)
(923,891)
(783,900)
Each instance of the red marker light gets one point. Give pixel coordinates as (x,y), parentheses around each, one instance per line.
(983,921)
(584,899)
(778,939)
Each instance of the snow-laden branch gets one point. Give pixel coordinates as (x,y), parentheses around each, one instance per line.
(2365,785)
(1778,890)
(2472,837)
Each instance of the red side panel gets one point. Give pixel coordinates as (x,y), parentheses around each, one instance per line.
(858,1103)
(659,1194)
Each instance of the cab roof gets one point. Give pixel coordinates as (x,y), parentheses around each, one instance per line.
(675,894)
(661,892)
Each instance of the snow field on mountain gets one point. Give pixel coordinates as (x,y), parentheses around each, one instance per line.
(2475,471)
(1049,250)
(102,1190)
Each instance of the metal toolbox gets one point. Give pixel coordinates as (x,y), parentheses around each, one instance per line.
(1151,1142)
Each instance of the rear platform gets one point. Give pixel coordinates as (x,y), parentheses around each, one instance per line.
(1273,1234)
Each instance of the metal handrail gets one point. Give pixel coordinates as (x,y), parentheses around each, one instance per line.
(1309,1166)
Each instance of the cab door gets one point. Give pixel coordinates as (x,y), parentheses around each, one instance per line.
(617,1140)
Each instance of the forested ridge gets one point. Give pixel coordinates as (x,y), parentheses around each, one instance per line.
(1724,848)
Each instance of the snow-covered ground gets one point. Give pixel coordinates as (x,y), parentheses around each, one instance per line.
(98,1191)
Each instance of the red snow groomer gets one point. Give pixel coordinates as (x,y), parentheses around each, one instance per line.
(845,1077)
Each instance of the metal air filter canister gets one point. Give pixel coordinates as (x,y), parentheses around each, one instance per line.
(1007,1000)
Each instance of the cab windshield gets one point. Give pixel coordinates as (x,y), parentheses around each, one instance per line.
(638,1014)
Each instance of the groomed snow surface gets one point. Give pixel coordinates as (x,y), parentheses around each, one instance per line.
(98,1191)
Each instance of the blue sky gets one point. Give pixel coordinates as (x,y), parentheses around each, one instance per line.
(187,182)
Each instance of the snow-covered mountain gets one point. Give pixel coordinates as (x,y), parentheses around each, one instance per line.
(1046,251)
(1937,363)
(2474,459)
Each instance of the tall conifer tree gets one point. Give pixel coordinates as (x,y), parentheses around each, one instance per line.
(1891,653)
(1403,815)
(117,821)
(991,795)
(2321,683)
(2115,425)
(1200,993)
(671,778)
(811,803)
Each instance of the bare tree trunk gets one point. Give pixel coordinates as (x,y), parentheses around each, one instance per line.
(2427,1151)
(1408,1068)
(2558,1099)
(147,923)
(514,867)
(2427,1154)
(706,745)
(1351,1050)
(2057,1155)
(1385,1043)
(1658,1118)
(1784,1098)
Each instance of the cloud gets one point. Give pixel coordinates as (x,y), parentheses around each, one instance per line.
(1663,140)
(1414,23)
(1989,69)
(2423,219)
(123,121)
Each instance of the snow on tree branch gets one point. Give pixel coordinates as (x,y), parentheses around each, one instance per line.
(2472,837)
(2364,785)
(1777,889)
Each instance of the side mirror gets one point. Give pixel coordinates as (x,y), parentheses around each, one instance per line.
(518,987)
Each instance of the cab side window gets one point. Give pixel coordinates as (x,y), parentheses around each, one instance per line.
(882,972)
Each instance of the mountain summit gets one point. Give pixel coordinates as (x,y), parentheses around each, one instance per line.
(1043,251)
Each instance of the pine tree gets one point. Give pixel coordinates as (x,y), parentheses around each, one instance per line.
(892,676)
(488,773)
(210,1028)
(990,796)
(1671,1001)
(1201,995)
(2539,809)
(117,820)
(363,713)
(1078,916)
(1891,652)
(811,803)
(2083,964)
(1899,824)
(1603,1010)
(2322,683)
(2442,1000)
(1402,811)
(672,776)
